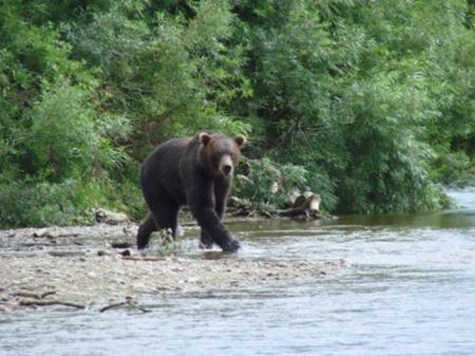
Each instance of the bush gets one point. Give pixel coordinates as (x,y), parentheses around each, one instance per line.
(455,169)
(268,183)
(39,204)
(370,104)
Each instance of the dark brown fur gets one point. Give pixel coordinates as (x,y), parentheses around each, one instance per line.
(187,171)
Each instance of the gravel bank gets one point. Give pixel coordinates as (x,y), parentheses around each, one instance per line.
(74,268)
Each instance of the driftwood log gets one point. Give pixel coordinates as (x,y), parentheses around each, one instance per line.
(302,206)
(305,206)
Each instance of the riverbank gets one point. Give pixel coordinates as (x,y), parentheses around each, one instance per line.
(78,267)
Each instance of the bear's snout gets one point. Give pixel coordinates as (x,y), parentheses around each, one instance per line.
(227,169)
(226,165)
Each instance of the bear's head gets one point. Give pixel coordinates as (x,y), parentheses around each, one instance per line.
(220,154)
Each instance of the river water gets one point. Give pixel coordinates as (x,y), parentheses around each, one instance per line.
(408,288)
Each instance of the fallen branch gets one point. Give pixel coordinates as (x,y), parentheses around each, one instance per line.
(129,303)
(150,259)
(37,244)
(42,303)
(305,206)
(112,306)
(34,295)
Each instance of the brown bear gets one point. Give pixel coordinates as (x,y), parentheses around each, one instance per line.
(197,171)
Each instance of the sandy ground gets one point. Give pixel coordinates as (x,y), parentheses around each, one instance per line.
(76,267)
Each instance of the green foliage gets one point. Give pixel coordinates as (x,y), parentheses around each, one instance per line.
(268,183)
(41,203)
(172,72)
(348,90)
(58,147)
(455,169)
(25,203)
(368,103)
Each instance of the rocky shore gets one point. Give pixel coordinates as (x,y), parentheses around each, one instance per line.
(97,267)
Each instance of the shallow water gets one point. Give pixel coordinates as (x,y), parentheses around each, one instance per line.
(408,289)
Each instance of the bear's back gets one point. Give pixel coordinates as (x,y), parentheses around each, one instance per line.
(162,168)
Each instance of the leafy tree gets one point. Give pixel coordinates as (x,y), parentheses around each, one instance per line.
(369,103)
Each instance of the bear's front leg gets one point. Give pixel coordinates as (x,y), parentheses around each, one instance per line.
(221,189)
(212,227)
(202,204)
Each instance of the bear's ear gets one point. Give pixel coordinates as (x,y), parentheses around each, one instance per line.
(240,140)
(204,138)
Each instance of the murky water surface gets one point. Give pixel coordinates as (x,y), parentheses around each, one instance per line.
(409,289)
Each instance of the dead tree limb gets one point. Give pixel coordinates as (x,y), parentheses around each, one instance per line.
(42,303)
(128,304)
(34,295)
(304,206)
